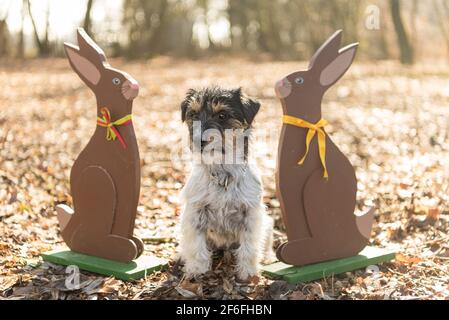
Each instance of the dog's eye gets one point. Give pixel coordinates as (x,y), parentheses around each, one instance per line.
(116,81)
(222,116)
(299,80)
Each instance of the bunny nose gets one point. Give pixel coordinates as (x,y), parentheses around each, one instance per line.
(279,84)
(130,89)
(283,88)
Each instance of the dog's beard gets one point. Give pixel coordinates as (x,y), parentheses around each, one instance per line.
(213,153)
(218,148)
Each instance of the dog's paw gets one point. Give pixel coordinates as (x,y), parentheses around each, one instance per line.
(245,273)
(196,268)
(269,258)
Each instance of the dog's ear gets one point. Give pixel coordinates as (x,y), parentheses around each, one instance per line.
(186,102)
(250,107)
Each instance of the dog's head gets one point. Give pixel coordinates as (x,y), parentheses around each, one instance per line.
(217,110)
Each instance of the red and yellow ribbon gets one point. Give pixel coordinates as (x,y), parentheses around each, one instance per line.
(314,129)
(111,130)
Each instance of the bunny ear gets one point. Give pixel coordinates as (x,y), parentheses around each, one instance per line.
(90,49)
(338,67)
(327,52)
(87,70)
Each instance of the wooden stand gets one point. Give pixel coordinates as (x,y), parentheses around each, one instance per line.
(369,256)
(134,270)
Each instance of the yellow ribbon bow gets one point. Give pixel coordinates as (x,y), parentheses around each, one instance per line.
(313,130)
(112,132)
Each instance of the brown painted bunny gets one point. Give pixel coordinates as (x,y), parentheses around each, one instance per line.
(105,179)
(317,192)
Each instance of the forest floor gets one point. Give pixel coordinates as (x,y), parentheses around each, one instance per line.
(392,122)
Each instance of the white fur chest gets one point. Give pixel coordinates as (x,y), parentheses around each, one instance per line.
(222,200)
(207,186)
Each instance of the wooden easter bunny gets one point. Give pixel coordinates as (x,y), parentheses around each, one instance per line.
(105,178)
(316,183)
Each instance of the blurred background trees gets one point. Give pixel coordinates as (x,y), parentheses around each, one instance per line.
(157,27)
(4,34)
(280,29)
(405,48)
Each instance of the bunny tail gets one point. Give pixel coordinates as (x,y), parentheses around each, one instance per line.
(365,223)
(65,213)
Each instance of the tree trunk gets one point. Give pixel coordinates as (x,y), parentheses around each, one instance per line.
(87,17)
(3,38)
(238,17)
(4,33)
(155,41)
(407,54)
(42,45)
(21,42)
(47,29)
(441,19)
(36,34)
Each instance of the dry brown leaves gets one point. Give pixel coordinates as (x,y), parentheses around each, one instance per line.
(392,123)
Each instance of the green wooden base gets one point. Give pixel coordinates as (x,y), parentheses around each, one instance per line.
(137,269)
(292,274)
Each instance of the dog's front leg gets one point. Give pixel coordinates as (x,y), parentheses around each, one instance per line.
(248,253)
(193,244)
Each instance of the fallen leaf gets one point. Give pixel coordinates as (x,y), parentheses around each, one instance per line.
(4,247)
(195,287)
(407,259)
(227,286)
(185,293)
(297,295)
(93,286)
(279,288)
(254,280)
(7,282)
(111,285)
(433,214)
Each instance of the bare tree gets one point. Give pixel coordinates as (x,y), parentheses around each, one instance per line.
(157,27)
(405,47)
(239,20)
(441,9)
(4,32)
(21,41)
(144,32)
(87,16)
(204,5)
(345,15)
(43,44)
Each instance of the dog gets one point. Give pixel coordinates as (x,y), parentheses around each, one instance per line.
(222,199)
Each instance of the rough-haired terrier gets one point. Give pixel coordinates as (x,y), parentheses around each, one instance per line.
(223,204)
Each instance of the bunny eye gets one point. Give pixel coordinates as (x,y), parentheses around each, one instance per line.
(299,80)
(116,81)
